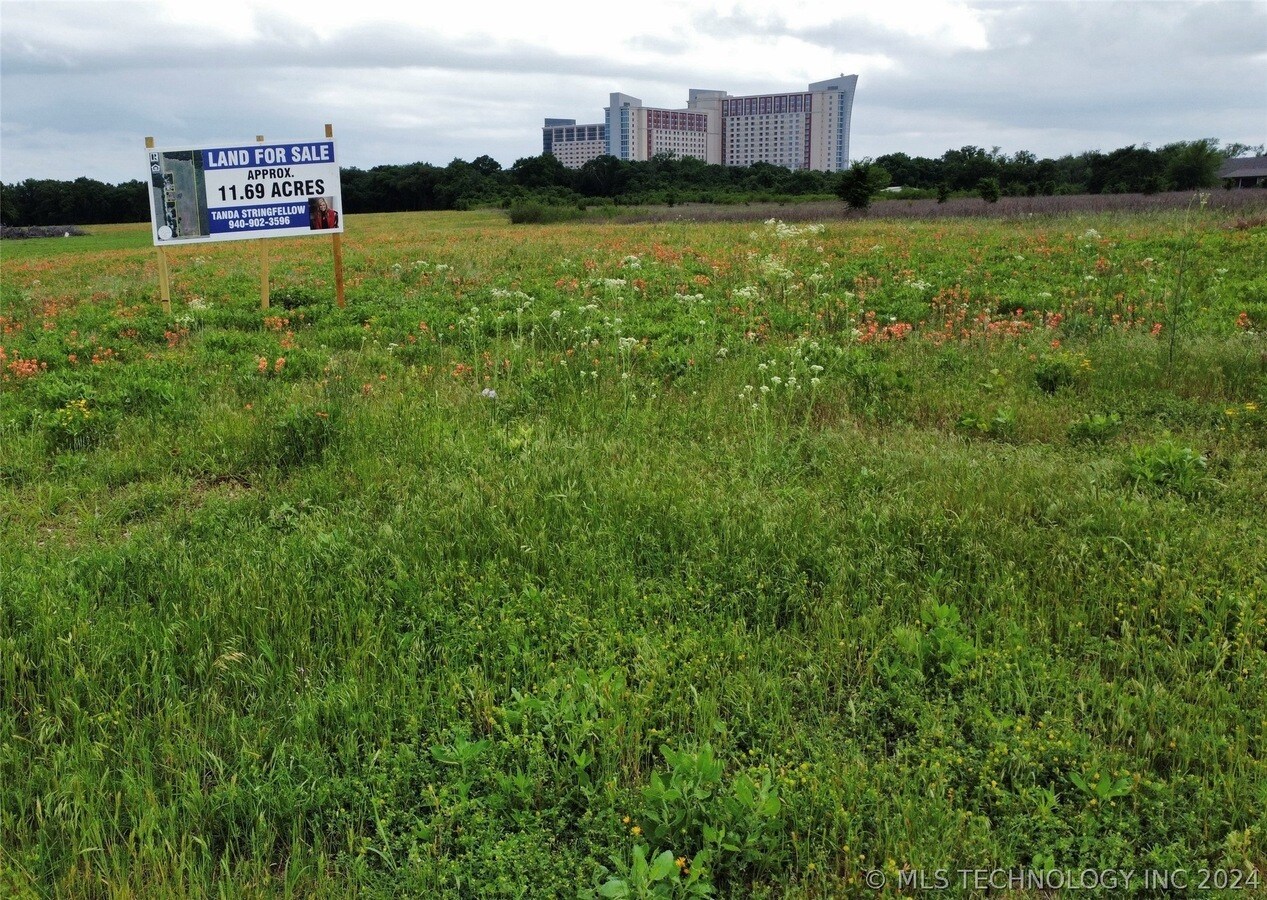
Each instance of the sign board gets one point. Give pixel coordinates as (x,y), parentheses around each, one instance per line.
(252,191)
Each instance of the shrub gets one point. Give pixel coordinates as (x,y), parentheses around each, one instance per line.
(1054,372)
(78,425)
(533,213)
(1168,466)
(1095,428)
(860,183)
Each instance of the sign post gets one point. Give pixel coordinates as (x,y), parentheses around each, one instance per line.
(337,238)
(261,190)
(164,280)
(259,139)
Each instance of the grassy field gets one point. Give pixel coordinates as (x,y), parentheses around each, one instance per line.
(747,559)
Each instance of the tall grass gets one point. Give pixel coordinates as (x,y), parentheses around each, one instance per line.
(796,553)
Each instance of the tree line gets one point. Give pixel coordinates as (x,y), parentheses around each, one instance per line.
(1185,165)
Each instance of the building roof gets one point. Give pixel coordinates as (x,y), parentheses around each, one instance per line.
(1244,167)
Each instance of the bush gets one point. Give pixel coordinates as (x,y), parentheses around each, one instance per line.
(79,425)
(1168,466)
(860,182)
(1095,428)
(1054,372)
(533,213)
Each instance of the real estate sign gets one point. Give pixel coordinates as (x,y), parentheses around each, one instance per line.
(251,191)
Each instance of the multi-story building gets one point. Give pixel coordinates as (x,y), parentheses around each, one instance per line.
(573,144)
(801,130)
(637,132)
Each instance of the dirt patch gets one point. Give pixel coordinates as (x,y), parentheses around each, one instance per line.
(13,233)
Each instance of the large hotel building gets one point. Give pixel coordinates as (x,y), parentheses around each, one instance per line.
(803,130)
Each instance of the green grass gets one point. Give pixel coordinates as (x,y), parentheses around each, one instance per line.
(791,553)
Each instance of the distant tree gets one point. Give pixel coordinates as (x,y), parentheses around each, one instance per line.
(603,176)
(764,176)
(965,167)
(540,172)
(1237,149)
(8,206)
(486,165)
(1125,170)
(1193,164)
(860,182)
(989,190)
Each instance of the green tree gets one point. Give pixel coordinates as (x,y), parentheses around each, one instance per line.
(860,182)
(989,190)
(540,172)
(603,176)
(1193,164)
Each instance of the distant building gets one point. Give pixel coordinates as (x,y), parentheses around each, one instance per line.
(801,130)
(574,145)
(1245,171)
(637,132)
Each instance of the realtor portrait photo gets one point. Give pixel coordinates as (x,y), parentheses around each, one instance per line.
(320,215)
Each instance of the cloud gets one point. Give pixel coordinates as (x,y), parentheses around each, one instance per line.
(82,83)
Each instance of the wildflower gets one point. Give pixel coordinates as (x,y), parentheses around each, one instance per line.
(636,830)
(489,394)
(279,365)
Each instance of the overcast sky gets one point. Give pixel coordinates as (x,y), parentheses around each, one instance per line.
(83,83)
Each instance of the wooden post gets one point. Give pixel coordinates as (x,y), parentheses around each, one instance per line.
(164,276)
(338,248)
(259,139)
(263,274)
(164,282)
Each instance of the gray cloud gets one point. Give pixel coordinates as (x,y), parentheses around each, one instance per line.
(81,84)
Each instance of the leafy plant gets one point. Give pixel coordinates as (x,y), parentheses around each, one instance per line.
(664,878)
(736,827)
(1054,372)
(1102,788)
(999,425)
(1169,466)
(78,425)
(1095,428)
